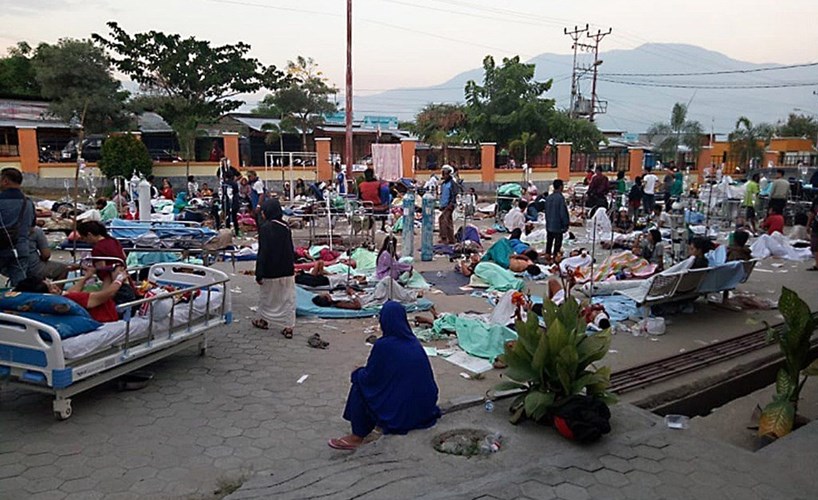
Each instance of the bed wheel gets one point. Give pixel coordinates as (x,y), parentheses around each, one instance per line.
(62,409)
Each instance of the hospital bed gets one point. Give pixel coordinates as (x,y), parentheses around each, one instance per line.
(33,355)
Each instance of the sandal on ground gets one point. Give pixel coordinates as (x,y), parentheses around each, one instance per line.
(316,342)
(261,324)
(813,268)
(342,444)
(287,332)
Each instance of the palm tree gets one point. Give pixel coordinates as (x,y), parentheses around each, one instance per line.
(678,132)
(748,142)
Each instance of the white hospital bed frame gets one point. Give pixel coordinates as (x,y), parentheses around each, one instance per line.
(29,362)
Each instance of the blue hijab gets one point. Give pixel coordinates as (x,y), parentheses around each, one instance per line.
(397,382)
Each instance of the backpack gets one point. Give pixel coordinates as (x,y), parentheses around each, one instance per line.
(10,234)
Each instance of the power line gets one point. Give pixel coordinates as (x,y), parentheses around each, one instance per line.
(712,87)
(725,72)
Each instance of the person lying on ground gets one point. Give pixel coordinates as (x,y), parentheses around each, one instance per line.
(593,314)
(100,305)
(396,390)
(516,243)
(386,289)
(318,276)
(739,249)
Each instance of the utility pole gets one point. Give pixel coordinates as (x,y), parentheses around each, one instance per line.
(348,158)
(596,38)
(575,35)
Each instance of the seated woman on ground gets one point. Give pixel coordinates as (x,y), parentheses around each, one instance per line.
(100,305)
(622,222)
(388,263)
(396,390)
(651,249)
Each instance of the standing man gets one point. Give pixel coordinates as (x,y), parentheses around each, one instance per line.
(649,182)
(751,190)
(16,220)
(556,220)
(668,186)
(230,193)
(447,204)
(598,191)
(780,192)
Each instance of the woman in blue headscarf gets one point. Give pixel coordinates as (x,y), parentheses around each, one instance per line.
(396,390)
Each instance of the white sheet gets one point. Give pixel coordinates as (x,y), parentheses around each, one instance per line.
(778,245)
(113,333)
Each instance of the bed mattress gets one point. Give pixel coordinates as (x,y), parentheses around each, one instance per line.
(110,334)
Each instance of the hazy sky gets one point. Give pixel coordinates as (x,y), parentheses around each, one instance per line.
(402,43)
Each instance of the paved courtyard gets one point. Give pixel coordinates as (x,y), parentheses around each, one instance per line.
(206,425)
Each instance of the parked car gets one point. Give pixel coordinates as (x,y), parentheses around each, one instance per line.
(163,155)
(91,149)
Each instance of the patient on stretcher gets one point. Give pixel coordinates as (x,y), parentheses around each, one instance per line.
(100,304)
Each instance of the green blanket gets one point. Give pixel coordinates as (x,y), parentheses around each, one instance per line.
(499,253)
(366,260)
(498,279)
(510,189)
(476,337)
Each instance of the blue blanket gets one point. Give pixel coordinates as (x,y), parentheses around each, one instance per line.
(129,230)
(305,307)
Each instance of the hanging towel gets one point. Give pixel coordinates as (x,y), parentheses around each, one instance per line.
(387,161)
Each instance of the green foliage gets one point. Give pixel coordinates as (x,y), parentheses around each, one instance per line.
(124,154)
(508,103)
(76,77)
(583,135)
(185,80)
(17,74)
(778,417)
(556,363)
(748,142)
(799,125)
(303,99)
(441,125)
(679,131)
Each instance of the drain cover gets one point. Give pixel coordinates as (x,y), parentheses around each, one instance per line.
(467,442)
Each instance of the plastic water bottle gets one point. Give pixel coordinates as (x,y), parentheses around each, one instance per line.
(489,406)
(491,444)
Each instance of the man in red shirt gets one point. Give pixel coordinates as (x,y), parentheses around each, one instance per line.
(100,305)
(774,222)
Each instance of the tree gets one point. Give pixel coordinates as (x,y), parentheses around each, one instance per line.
(124,154)
(799,125)
(518,146)
(187,81)
(508,103)
(678,132)
(441,125)
(17,74)
(583,135)
(748,142)
(303,98)
(76,77)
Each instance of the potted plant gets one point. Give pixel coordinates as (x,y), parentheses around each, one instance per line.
(778,417)
(555,364)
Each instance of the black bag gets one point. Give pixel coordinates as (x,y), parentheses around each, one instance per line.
(583,419)
(10,234)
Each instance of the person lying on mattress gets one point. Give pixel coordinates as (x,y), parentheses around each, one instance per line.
(100,305)
(318,276)
(386,289)
(396,390)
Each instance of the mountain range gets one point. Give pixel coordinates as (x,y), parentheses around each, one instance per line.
(631,107)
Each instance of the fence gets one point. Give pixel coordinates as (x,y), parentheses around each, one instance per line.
(610,161)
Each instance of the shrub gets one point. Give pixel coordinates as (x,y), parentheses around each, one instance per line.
(124,154)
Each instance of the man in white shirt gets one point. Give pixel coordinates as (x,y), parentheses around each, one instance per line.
(256,189)
(780,192)
(649,181)
(515,218)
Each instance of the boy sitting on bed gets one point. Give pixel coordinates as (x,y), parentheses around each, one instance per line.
(100,305)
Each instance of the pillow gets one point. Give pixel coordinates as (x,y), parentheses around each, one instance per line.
(67,326)
(43,303)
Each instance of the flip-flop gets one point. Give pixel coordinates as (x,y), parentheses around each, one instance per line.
(287,332)
(261,324)
(342,444)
